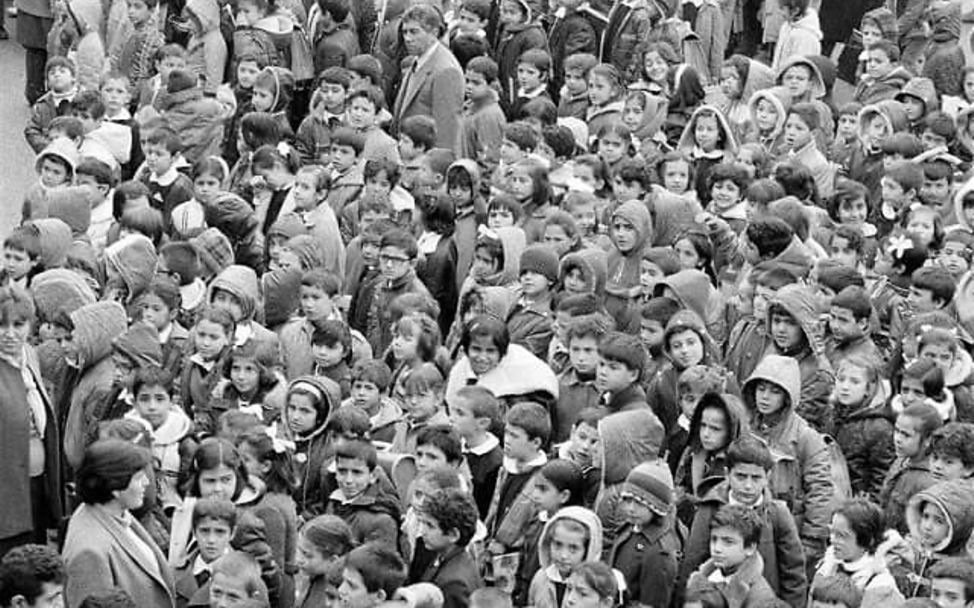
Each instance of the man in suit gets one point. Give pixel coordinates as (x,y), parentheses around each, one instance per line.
(432,81)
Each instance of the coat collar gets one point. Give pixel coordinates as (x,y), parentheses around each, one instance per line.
(114,528)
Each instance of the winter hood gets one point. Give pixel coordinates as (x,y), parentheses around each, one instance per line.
(95,327)
(635,213)
(584,516)
(54,237)
(802,304)
(64,150)
(241,282)
(207,12)
(923,89)
(782,371)
(692,289)
(231,215)
(326,391)
(73,205)
(687,142)
(885,20)
(133,259)
(140,343)
(59,289)
(759,76)
(688,319)
(963,191)
(593,264)
(780,106)
(956,500)
(892,112)
(817,85)
(628,438)
(733,410)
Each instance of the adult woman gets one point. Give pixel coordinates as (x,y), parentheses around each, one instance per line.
(30,451)
(854,538)
(106,548)
(510,371)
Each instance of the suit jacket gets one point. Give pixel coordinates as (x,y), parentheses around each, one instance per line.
(101,556)
(435,90)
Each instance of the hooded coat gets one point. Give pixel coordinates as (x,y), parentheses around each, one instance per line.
(541,593)
(945,59)
(773,139)
(923,89)
(133,260)
(704,161)
(518,376)
(865,436)
(817,94)
(242,283)
(234,217)
(310,448)
(592,263)
(755,76)
(816,371)
(627,439)
(866,161)
(622,285)
(467,220)
(779,547)
(628,26)
(54,238)
(199,121)
(206,49)
(868,574)
(870,90)
(693,290)
(799,38)
(89,50)
(801,475)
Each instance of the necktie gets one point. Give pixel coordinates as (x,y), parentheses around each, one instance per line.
(202,578)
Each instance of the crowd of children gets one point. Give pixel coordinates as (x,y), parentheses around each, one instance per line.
(491,304)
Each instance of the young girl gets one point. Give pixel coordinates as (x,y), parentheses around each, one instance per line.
(273,90)
(129,196)
(941,346)
(503,211)
(202,369)
(274,172)
(605,89)
(188,219)
(922,383)
(581,207)
(911,470)
(322,544)
(529,185)
(257,129)
(927,225)
(863,429)
(613,144)
(708,141)
(848,207)
(250,383)
(310,399)
(896,258)
(696,251)
(644,113)
(415,340)
(756,160)
(740,77)
(159,306)
(592,585)
(801,81)
(767,113)
(650,72)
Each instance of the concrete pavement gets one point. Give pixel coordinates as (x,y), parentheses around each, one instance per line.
(16,158)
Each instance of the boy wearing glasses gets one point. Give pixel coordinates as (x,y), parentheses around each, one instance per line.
(397,276)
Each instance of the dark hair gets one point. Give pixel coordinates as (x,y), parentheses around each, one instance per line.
(837,589)
(214,452)
(95,168)
(954,440)
(937,280)
(443,437)
(320,278)
(836,276)
(215,508)
(336,74)
(521,135)
(260,129)
(856,300)
(531,418)
(660,309)
(88,102)
(600,577)
(109,465)
(565,475)
(329,534)
(745,520)
(956,568)
(374,371)
(421,130)
(797,180)
(111,598)
(439,216)
(749,450)
(281,476)
(770,235)
(624,348)
(357,449)
(348,422)
(380,567)
(348,137)
(484,66)
(482,402)
(866,520)
(792,211)
(453,509)
(729,172)
(928,416)
(332,332)
(400,239)
(151,375)
(484,326)
(25,569)
(338,8)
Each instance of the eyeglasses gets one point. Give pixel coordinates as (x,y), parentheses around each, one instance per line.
(392,259)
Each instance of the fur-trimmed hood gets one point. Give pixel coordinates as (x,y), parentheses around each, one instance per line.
(687,142)
(956,500)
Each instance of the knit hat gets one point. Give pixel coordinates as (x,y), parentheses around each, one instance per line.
(181,258)
(72,205)
(665,258)
(140,343)
(542,260)
(651,483)
(180,80)
(215,250)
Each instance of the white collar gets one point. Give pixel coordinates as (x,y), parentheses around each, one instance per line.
(515,468)
(243,333)
(165,333)
(167,178)
(490,442)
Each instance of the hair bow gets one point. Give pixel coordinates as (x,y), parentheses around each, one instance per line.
(898,245)
(280,445)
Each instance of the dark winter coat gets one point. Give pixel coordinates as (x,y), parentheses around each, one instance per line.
(904,480)
(455,574)
(865,436)
(513,41)
(745,588)
(648,558)
(373,515)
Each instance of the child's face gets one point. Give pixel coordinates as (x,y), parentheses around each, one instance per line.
(945,467)
(309,559)
(730,83)
(714,431)
(302,417)
(567,547)
(343,158)
(650,275)
(655,67)
(611,148)
(247,74)
(511,13)
(930,140)
(747,481)
(263,99)
(877,131)
(584,442)
(556,238)
(921,225)
(870,34)
(601,90)
(353,593)
(797,80)
(305,191)
(316,305)
(421,406)
(853,212)
(205,187)
(687,254)
(842,252)
(676,176)
(768,397)
(212,537)
(53,173)
(333,96)
(211,339)
(518,445)
(949,592)
(797,133)
(157,158)
(520,184)
(914,107)
(651,333)
(138,12)
(941,354)
(907,436)
(785,331)
(328,355)
(248,13)
(847,126)
(575,82)
(60,79)
(434,537)
(725,194)
(228,591)
(244,375)
(116,95)
(851,385)
(624,234)
(954,258)
(579,594)
(634,511)
(529,77)
(545,496)
(468,22)
(727,548)
(843,324)
(574,282)
(842,538)
(969,86)
(361,113)
(686,349)
(463,420)
(583,352)
(404,344)
(227,301)
(877,63)
(893,194)
(613,376)
(499,217)
(633,114)
(936,193)
(154,311)
(476,84)
(394,262)
(168,64)
(429,456)
(934,525)
(765,115)
(152,403)
(586,174)
(584,216)
(705,132)
(365,394)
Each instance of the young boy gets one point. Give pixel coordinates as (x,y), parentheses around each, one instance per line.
(901,183)
(313,139)
(446,525)
(371,575)
(748,464)
(370,385)
(849,318)
(648,547)
(519,141)
(580,449)
(573,96)
(884,77)
(574,28)
(653,317)
(347,181)
(530,321)
(910,472)
(573,535)
(483,119)
(952,582)
(438,445)
(472,19)
(318,290)
(167,185)
(919,98)
(533,73)
(735,564)
(474,412)
(371,512)
(31,576)
(520,32)
(335,41)
(952,452)
(417,136)
(169,57)
(938,133)
(576,385)
(237,578)
(801,124)
(62,87)
(931,288)
(331,347)
(213,523)
(397,255)
(621,362)
(835,591)
(133,57)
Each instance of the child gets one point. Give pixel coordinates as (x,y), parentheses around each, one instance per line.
(740,77)
(318,290)
(360,500)
(901,185)
(347,180)
(331,347)
(919,97)
(335,39)
(951,457)
(533,76)
(846,133)
(848,207)
(473,413)
(799,35)
(133,57)
(727,183)
(447,524)
(371,574)
(577,383)
(604,96)
(55,168)
(322,544)
(863,429)
(370,384)
(483,119)
(364,110)
(884,77)
(213,522)
(800,127)
(577,534)
(530,321)
(910,472)
(32,574)
(942,346)
(631,230)
(313,139)
(573,96)
(922,382)
(397,251)
(734,536)
(519,33)
(849,318)
(927,225)
(251,384)
(648,548)
(654,315)
(238,574)
(423,391)
(951,582)
(310,400)
(61,89)
(708,140)
(236,291)
(767,112)
(168,187)
(274,169)
(212,336)
(258,33)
